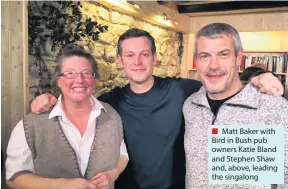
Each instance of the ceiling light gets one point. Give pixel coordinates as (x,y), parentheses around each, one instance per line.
(137,6)
(175,22)
(166,18)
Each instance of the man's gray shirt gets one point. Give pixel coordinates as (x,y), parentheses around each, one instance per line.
(249,106)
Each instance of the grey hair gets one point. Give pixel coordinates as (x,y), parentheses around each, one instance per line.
(66,52)
(216,30)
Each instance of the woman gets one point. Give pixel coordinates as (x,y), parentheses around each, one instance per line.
(78,144)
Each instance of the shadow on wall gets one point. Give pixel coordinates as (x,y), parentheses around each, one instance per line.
(3,171)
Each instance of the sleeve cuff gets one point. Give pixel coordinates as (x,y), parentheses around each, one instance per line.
(123,150)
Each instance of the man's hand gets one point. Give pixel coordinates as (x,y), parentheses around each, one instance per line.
(268,83)
(43,103)
(77,183)
(105,179)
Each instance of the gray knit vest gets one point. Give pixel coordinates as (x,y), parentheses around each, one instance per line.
(55,158)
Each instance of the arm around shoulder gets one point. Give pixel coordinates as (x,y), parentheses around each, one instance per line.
(43,103)
(189,86)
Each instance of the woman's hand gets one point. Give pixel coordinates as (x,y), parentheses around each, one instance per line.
(105,179)
(77,183)
(30,181)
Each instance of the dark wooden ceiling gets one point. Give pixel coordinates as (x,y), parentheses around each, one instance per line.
(202,8)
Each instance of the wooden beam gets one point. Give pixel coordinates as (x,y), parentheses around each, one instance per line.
(14,65)
(25,54)
(5,75)
(230,6)
(234,12)
(169,4)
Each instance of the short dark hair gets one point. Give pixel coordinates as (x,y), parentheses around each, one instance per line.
(133,33)
(68,51)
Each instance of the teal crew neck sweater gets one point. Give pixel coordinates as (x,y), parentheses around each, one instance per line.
(154,132)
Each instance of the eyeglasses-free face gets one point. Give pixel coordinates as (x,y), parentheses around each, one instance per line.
(71,74)
(137,59)
(77,80)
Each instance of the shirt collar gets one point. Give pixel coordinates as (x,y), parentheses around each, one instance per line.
(58,111)
(249,96)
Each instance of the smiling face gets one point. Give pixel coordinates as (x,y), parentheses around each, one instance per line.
(137,59)
(78,89)
(217,66)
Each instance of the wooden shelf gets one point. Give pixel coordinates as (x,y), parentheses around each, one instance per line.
(284,74)
(280,74)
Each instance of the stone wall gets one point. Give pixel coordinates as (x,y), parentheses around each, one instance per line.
(104,50)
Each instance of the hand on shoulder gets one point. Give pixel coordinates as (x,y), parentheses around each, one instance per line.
(43,103)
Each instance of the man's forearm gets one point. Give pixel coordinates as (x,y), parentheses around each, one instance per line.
(32,181)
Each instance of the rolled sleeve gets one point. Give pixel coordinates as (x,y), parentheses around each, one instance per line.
(123,150)
(19,156)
